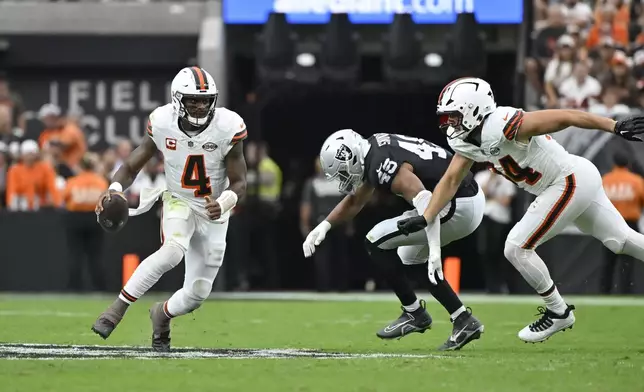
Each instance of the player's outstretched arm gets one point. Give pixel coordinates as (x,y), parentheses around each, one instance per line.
(543,122)
(447,186)
(351,205)
(344,211)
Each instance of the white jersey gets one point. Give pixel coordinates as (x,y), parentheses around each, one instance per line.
(533,166)
(195,166)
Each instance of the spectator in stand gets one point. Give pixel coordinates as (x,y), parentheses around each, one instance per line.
(625,190)
(578,13)
(13,101)
(84,236)
(496,225)
(31,183)
(609,27)
(638,68)
(620,79)
(58,130)
(603,61)
(545,44)
(609,106)
(559,69)
(7,135)
(580,90)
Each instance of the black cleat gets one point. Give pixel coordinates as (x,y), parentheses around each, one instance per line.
(417,321)
(466,328)
(161,342)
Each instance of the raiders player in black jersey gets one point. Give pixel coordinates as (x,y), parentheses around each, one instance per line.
(410,168)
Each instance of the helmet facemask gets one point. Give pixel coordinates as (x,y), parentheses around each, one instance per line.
(451,124)
(197,110)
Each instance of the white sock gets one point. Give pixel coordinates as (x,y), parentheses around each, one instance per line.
(150,271)
(412,307)
(458,312)
(555,302)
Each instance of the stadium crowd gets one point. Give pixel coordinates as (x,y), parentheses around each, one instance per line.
(587,56)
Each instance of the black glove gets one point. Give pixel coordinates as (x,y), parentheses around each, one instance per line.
(630,128)
(412,225)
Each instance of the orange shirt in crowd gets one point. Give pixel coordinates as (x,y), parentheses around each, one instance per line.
(71,137)
(83,190)
(30,187)
(619,35)
(626,191)
(622,15)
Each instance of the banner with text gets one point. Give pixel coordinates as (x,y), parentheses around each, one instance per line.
(109,107)
(373,11)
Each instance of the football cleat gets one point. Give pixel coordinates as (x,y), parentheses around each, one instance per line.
(106,323)
(417,321)
(548,324)
(160,328)
(465,329)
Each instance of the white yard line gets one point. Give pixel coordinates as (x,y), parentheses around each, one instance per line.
(26,351)
(348,297)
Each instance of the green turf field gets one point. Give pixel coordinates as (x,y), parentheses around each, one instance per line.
(604,352)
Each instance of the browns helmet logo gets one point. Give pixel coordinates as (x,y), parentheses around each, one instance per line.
(344,153)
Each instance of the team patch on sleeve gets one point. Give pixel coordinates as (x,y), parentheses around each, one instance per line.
(241,135)
(512,127)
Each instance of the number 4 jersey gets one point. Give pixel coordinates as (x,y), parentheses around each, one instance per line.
(533,166)
(388,152)
(195,166)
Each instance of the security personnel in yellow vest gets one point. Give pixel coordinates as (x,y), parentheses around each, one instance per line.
(263,192)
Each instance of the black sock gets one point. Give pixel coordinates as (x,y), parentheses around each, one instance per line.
(392,271)
(446,296)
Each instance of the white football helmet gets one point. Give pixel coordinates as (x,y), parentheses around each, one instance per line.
(342,159)
(194,96)
(463,105)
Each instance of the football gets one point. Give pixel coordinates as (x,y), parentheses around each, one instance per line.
(114,214)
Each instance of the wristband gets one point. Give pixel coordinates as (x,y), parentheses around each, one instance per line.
(116,186)
(227,200)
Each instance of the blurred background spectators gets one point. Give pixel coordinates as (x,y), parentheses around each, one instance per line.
(76,90)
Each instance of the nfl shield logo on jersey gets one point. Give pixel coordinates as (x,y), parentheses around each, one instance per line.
(344,153)
(210,146)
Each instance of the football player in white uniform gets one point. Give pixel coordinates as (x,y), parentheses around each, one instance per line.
(206,174)
(568,187)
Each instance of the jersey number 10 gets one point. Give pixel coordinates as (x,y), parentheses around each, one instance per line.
(194,176)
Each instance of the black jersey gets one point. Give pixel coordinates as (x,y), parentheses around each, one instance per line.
(388,152)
